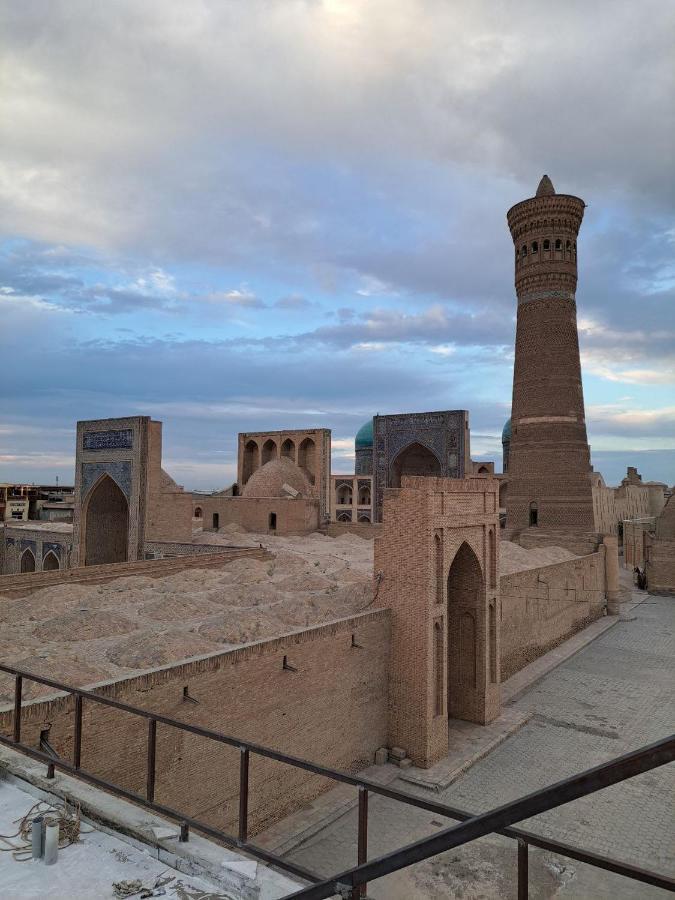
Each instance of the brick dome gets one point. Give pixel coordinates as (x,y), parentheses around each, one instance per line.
(269,480)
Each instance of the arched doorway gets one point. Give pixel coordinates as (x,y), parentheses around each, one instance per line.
(415,459)
(50,562)
(106,524)
(27,561)
(465,585)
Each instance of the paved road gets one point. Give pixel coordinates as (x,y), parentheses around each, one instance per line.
(615,695)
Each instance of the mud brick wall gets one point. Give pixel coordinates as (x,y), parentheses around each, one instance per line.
(543,607)
(299,515)
(332,710)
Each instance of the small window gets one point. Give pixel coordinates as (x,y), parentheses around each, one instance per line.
(547,245)
(216,521)
(198,512)
(523,250)
(535,247)
(273,522)
(558,245)
(568,245)
(534,515)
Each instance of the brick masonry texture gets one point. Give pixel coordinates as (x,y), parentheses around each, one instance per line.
(435,568)
(549,457)
(544,606)
(332,710)
(293,515)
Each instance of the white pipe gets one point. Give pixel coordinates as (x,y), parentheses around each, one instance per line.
(51,841)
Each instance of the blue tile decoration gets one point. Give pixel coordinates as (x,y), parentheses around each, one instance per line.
(119,439)
(119,471)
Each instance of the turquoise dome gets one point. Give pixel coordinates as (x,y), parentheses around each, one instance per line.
(364,436)
(506,431)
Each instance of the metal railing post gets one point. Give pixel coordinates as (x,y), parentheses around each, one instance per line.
(523,863)
(362,850)
(150,770)
(77,743)
(18,687)
(243,794)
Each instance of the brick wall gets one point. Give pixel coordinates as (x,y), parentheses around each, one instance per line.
(542,607)
(21,585)
(332,710)
(293,516)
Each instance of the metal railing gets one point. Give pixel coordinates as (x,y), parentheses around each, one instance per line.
(352,882)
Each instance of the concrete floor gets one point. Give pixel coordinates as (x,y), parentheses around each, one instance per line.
(613,696)
(85,870)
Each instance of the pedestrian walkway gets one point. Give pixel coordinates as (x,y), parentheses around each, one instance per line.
(613,696)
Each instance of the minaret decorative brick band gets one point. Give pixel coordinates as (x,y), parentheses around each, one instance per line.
(549,461)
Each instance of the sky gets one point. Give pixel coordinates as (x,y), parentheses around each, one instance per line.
(261,215)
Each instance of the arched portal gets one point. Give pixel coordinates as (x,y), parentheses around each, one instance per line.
(27,561)
(251,460)
(269,451)
(106,524)
(465,585)
(415,459)
(307,458)
(288,449)
(50,562)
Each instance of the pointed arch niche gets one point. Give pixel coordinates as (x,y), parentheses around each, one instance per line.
(106,524)
(415,459)
(27,561)
(50,562)
(465,586)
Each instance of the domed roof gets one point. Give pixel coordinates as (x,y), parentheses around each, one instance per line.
(506,431)
(269,480)
(364,436)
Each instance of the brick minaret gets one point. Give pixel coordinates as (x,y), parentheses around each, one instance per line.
(549,461)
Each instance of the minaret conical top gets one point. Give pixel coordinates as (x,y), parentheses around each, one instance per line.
(545,188)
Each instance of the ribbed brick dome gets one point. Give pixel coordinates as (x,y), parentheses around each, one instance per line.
(269,480)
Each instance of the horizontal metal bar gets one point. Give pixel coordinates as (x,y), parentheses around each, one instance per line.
(562,849)
(587,782)
(169,812)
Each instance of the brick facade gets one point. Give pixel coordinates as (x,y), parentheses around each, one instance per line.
(543,607)
(273,515)
(436,567)
(549,457)
(246,692)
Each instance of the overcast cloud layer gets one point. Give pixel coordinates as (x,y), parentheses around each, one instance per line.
(254,214)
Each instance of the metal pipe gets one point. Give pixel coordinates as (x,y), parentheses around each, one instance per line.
(362,847)
(77,742)
(37,837)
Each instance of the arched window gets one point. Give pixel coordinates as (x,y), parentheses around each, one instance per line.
(547,244)
(535,247)
(523,250)
(288,449)
(307,458)
(198,512)
(216,521)
(344,517)
(534,515)
(364,495)
(558,245)
(344,495)
(483,470)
